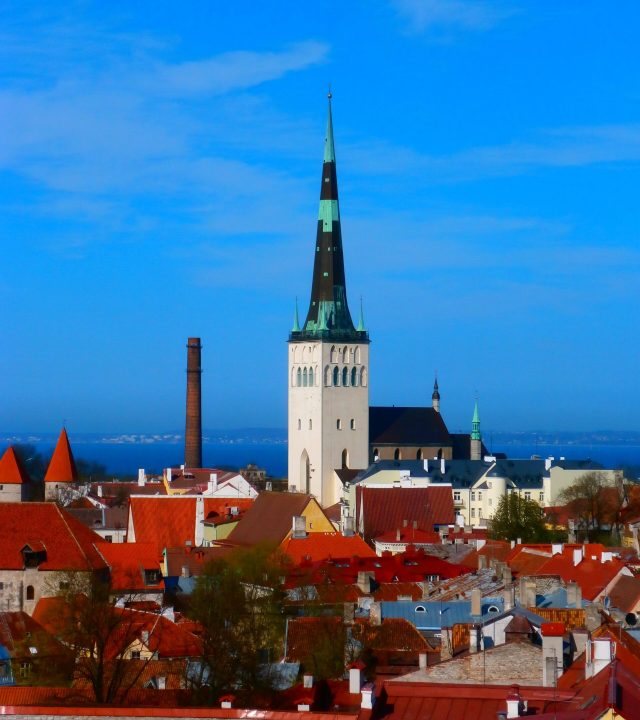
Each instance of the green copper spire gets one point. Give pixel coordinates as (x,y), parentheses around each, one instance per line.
(296,321)
(329,149)
(475,424)
(328,317)
(360,327)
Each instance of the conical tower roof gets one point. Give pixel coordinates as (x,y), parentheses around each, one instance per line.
(11,470)
(328,316)
(62,467)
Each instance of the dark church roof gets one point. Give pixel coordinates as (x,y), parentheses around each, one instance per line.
(461,446)
(407,426)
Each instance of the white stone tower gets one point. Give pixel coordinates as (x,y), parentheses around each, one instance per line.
(328,364)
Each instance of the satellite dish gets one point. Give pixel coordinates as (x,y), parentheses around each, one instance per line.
(631,618)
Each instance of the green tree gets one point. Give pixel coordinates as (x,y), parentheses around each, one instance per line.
(238,603)
(517,517)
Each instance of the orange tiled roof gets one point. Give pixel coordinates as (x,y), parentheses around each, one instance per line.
(321,546)
(170,520)
(62,467)
(11,470)
(128,561)
(69,545)
(625,594)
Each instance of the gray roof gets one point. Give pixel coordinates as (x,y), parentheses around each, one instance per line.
(521,473)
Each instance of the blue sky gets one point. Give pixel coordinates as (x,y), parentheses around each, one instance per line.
(159,178)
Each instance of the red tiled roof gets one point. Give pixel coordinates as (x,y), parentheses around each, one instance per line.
(68,543)
(383,509)
(62,466)
(11,470)
(408,535)
(625,594)
(393,634)
(128,561)
(192,558)
(16,628)
(320,546)
(269,519)
(592,575)
(170,520)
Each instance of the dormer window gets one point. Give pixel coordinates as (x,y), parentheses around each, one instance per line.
(33,554)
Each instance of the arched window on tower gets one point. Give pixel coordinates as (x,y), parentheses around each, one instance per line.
(299,374)
(345,458)
(356,356)
(345,377)
(336,377)
(440,454)
(354,377)
(299,424)
(310,377)
(31,594)
(345,354)
(327,376)
(305,472)
(397,455)
(419,454)
(376,454)
(304,378)
(363,376)
(293,377)
(334,354)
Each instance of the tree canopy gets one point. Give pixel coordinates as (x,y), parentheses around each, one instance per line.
(517,517)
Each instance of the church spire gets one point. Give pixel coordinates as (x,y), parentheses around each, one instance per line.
(435,396)
(328,316)
(476,438)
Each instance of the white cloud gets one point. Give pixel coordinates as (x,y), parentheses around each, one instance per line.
(478,15)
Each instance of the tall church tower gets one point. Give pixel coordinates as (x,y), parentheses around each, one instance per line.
(328,363)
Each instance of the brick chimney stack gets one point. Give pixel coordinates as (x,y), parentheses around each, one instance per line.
(193,431)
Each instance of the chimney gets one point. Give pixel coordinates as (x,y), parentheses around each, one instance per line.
(348,526)
(398,535)
(213,483)
(578,554)
(422,661)
(552,652)
(168,474)
(527,592)
(142,479)
(507,596)
(367,696)
(100,491)
(364,580)
(547,464)
(226,701)
(299,528)
(185,571)
(476,602)
(507,577)
(574,595)
(355,680)
(482,562)
(513,703)
(144,636)
(193,430)
(199,528)
(307,681)
(442,466)
(162,682)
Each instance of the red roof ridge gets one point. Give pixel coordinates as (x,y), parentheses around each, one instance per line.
(62,466)
(11,470)
(73,535)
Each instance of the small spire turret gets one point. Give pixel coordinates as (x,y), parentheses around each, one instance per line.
(435,396)
(476,438)
(296,321)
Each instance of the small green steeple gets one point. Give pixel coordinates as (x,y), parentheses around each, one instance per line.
(296,321)
(475,424)
(360,327)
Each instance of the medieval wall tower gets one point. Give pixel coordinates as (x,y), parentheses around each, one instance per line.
(328,363)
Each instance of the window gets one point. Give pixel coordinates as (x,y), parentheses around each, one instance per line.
(352,424)
(473,512)
(310,424)
(338,424)
(354,377)
(135,654)
(363,377)
(64,585)
(376,454)
(304,378)
(299,424)
(527,495)
(299,376)
(327,376)
(456,496)
(479,494)
(345,354)
(420,608)
(541,497)
(345,458)
(30,592)
(310,377)
(336,377)
(473,496)
(356,356)
(334,354)
(345,377)
(419,454)
(108,538)
(397,455)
